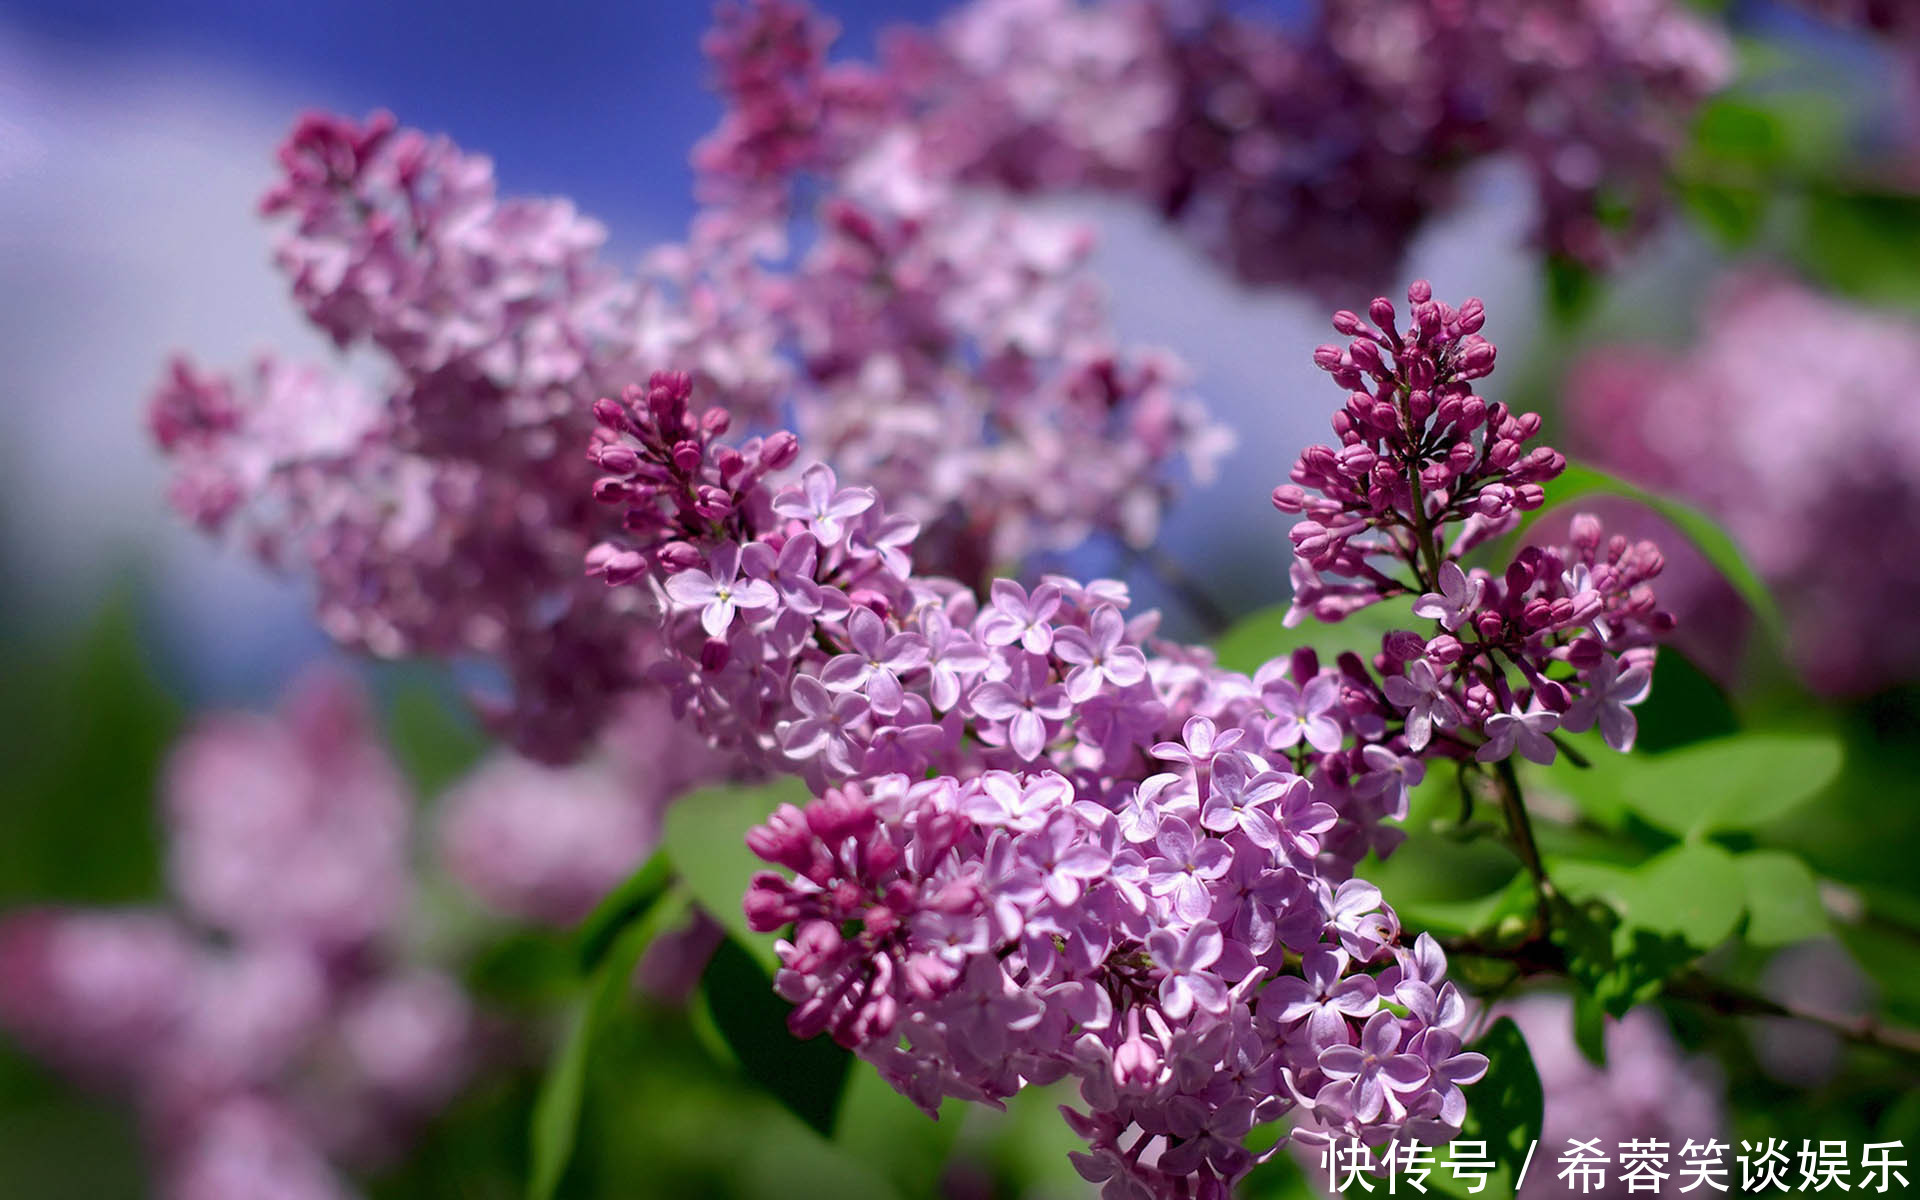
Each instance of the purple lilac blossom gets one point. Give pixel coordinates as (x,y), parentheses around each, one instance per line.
(1786,421)
(1563,636)
(1311,153)
(269,1030)
(444,514)
(546,843)
(1005,881)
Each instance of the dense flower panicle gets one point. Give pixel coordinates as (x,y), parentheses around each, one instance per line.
(1312,154)
(928,336)
(269,1027)
(1048,845)
(408,555)
(1043,94)
(1090,807)
(1787,421)
(953,350)
(446,514)
(1426,470)
(788,110)
(495,312)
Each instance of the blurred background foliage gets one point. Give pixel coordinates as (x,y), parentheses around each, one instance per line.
(1817,840)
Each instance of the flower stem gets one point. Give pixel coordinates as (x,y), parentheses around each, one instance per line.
(1730,1000)
(1507,786)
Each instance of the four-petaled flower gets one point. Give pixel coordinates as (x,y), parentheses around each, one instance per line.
(1524,731)
(1607,691)
(1099,655)
(825,723)
(1063,859)
(1185,865)
(1454,603)
(1200,741)
(821,505)
(1389,778)
(718,591)
(1025,701)
(1421,692)
(790,571)
(1304,713)
(1015,616)
(1187,984)
(1238,802)
(1375,1072)
(877,661)
(1324,999)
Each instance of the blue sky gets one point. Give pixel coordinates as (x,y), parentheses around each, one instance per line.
(598,99)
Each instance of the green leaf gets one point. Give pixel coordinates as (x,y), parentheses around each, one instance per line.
(1597,789)
(1505,1110)
(1865,243)
(1736,129)
(884,1130)
(1590,1027)
(1740,782)
(1733,213)
(1445,918)
(1685,706)
(430,727)
(809,1076)
(1692,891)
(1619,965)
(706,841)
(1264,635)
(1573,289)
(1703,531)
(1783,898)
(84,730)
(621,907)
(556,1111)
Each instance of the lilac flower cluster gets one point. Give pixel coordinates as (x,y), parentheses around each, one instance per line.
(953,351)
(269,1027)
(544,844)
(1312,154)
(1049,845)
(1786,421)
(1424,471)
(929,337)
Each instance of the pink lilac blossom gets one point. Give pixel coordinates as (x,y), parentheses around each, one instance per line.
(1311,154)
(953,351)
(929,337)
(546,843)
(1647,1090)
(1562,637)
(1006,878)
(445,514)
(267,1029)
(1786,421)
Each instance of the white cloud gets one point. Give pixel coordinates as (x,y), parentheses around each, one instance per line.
(127,231)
